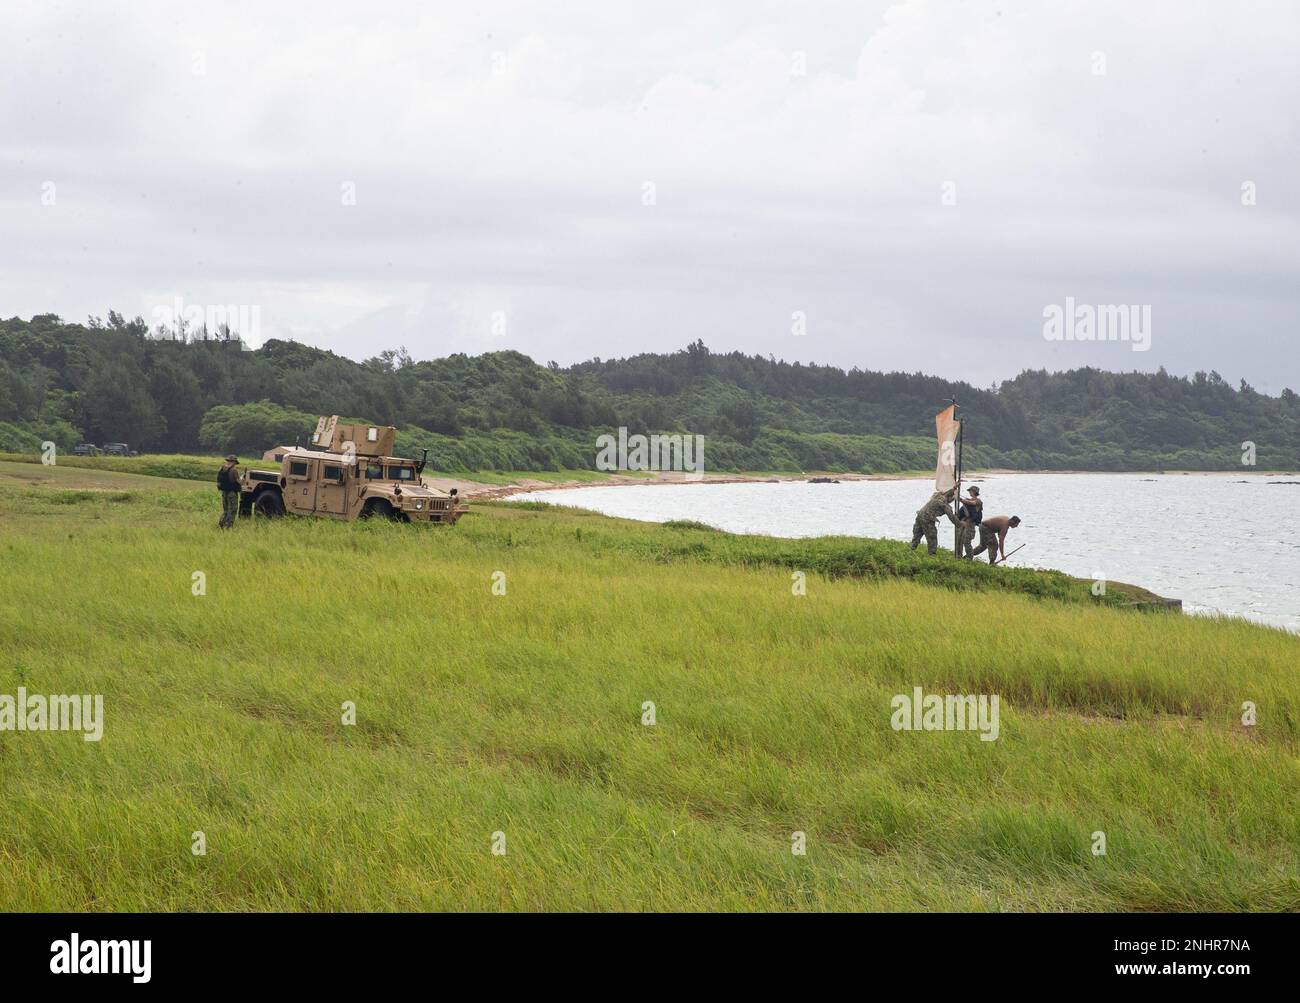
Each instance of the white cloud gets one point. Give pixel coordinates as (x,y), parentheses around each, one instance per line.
(499,153)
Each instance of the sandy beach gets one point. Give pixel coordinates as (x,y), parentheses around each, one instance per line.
(472,490)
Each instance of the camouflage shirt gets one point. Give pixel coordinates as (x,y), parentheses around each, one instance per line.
(935,507)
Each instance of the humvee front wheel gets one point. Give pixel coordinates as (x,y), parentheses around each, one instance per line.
(379,508)
(269,504)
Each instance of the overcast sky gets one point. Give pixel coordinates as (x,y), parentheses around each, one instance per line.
(916,181)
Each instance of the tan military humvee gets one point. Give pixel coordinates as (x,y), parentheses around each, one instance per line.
(346,473)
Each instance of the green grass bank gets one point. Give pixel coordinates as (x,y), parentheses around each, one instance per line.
(479,713)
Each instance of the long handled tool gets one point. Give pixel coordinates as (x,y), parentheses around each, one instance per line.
(1008,557)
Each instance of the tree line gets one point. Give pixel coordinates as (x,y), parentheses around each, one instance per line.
(115,380)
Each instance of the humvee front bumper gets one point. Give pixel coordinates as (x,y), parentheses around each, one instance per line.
(436,510)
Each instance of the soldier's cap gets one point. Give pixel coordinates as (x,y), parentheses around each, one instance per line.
(974,490)
(232,458)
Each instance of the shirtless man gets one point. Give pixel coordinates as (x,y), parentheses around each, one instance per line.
(993,535)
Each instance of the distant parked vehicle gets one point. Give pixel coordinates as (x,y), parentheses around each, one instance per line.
(118,449)
(86,449)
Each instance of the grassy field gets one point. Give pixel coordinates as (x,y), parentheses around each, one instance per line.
(522,713)
(179,466)
(203,468)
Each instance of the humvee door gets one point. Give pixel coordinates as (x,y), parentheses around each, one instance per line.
(331,493)
(300,486)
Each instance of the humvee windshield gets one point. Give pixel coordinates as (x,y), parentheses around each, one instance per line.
(401,473)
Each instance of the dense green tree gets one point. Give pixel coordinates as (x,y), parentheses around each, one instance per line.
(116,407)
(175,391)
(254,428)
(110,380)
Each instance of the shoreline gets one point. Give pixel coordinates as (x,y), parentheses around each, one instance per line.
(494,492)
(1137,598)
(478,491)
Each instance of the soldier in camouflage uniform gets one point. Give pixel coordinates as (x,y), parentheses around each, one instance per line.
(228,485)
(969,515)
(927,519)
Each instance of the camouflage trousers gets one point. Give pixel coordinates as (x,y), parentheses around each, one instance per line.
(964,535)
(989,542)
(930,530)
(229,508)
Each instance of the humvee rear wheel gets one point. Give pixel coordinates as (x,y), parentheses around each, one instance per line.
(269,504)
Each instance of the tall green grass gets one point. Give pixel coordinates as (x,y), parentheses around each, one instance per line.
(173,465)
(522,713)
(204,468)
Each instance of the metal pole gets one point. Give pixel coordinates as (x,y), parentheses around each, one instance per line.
(956,502)
(1010,555)
(961,435)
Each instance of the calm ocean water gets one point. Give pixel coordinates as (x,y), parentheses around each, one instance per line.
(1223,544)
